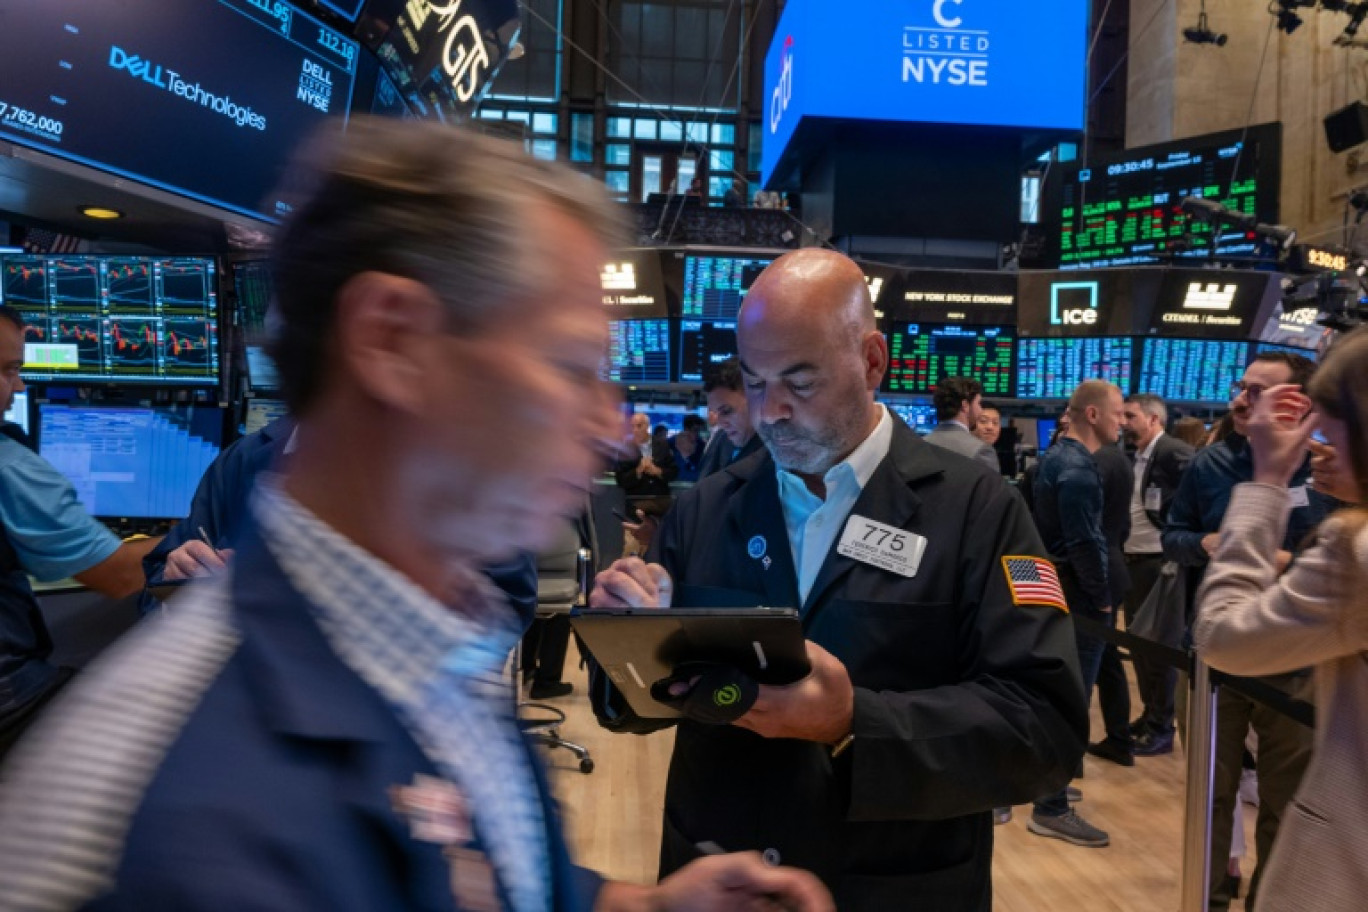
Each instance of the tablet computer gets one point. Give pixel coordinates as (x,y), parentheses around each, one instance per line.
(638,646)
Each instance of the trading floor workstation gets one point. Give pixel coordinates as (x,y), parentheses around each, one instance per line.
(1028,246)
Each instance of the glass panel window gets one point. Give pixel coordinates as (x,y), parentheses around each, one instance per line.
(645,128)
(620,127)
(717,186)
(698,132)
(650,175)
(617,154)
(687,168)
(723,134)
(543,123)
(581,137)
(491,114)
(671,131)
(617,181)
(544,148)
(753,150)
(721,161)
(520,116)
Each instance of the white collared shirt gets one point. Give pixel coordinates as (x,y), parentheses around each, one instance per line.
(812,523)
(1144,537)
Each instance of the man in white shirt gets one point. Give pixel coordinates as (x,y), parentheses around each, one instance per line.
(1160,460)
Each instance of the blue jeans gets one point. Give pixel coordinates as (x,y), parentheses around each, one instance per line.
(1090,651)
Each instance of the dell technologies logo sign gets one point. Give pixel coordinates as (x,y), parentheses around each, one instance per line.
(171,81)
(783,89)
(1073,304)
(946,52)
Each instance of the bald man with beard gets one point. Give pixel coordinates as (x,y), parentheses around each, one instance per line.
(944,677)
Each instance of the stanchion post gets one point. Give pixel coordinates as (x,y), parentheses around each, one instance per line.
(1201,777)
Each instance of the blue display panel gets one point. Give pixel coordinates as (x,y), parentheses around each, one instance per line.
(205,98)
(919,416)
(135,463)
(715,286)
(1261,347)
(1191,370)
(703,343)
(990,62)
(1052,368)
(19,411)
(252,288)
(638,351)
(115,319)
(921,355)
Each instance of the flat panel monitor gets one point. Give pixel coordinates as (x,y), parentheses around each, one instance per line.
(1214,303)
(703,344)
(1052,368)
(1294,323)
(1261,347)
(252,287)
(715,286)
(261,412)
(633,285)
(1099,302)
(921,355)
(116,319)
(204,98)
(1045,428)
(919,416)
(1123,209)
(131,462)
(19,411)
(977,63)
(953,295)
(638,351)
(1190,370)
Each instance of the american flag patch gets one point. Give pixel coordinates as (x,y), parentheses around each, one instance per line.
(1033,581)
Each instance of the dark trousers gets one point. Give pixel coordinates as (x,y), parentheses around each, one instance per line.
(544,647)
(1155,681)
(1283,753)
(1113,693)
(1090,651)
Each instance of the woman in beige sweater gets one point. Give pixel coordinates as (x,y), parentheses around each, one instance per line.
(1252,621)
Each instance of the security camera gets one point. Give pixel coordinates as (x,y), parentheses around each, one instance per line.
(1202,35)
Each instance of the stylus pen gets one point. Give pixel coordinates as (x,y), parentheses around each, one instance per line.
(204,537)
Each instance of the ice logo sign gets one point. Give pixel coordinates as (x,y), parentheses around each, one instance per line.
(946,53)
(783,90)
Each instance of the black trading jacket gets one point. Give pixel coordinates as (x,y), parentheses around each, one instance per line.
(964,701)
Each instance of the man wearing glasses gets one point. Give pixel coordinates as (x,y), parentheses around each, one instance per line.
(1190,536)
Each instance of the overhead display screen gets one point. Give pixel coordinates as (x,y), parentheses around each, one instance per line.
(1190,370)
(205,98)
(1213,303)
(703,343)
(1124,210)
(638,351)
(715,286)
(1052,368)
(115,319)
(137,463)
(1101,302)
(979,62)
(921,355)
(953,296)
(633,286)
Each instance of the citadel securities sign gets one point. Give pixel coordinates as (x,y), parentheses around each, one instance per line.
(1003,63)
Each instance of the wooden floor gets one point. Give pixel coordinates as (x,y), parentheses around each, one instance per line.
(613,817)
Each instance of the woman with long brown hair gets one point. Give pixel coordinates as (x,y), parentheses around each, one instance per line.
(1254,622)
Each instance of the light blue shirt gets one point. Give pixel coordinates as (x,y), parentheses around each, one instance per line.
(813,524)
(53,536)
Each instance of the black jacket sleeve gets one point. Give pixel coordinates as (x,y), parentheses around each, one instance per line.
(1085,546)
(1012,729)
(1183,531)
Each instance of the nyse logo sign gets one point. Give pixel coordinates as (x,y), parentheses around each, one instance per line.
(783,90)
(1214,296)
(946,53)
(1073,304)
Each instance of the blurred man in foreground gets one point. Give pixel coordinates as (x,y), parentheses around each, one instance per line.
(326,725)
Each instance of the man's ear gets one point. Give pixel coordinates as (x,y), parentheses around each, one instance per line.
(874,350)
(384,330)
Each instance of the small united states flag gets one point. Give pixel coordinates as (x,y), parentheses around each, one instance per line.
(1033,581)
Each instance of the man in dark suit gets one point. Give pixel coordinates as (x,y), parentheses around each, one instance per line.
(1113,692)
(1160,461)
(959,403)
(734,438)
(326,724)
(646,466)
(944,676)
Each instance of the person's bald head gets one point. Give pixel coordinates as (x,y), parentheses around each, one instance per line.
(812,358)
(1096,413)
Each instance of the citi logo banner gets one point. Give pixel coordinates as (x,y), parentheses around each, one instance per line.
(1213,296)
(946,53)
(783,90)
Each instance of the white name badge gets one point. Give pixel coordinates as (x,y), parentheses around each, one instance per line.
(881,545)
(1153,498)
(1299,498)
